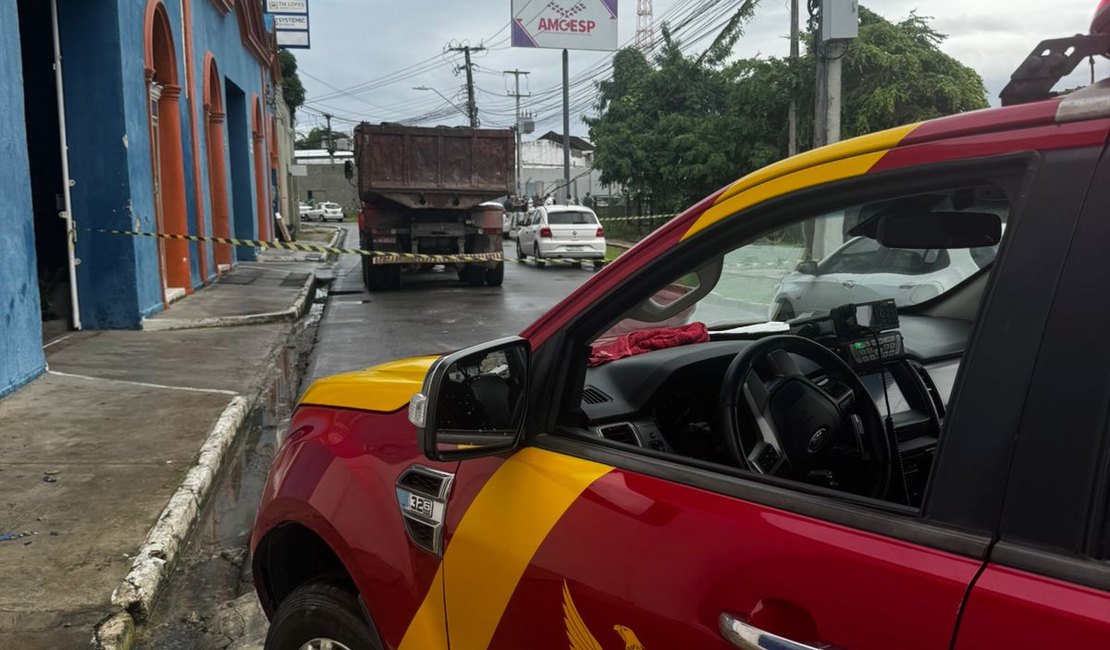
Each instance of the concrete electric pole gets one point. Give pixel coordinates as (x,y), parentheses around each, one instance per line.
(331,144)
(471,107)
(517,95)
(839,23)
(792,138)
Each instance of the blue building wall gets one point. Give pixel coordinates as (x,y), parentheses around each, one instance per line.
(110,150)
(21,357)
(218,34)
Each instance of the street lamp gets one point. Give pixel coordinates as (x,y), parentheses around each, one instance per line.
(455,106)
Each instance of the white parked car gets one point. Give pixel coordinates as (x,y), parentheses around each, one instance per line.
(314,212)
(561,231)
(303,209)
(331,211)
(861,270)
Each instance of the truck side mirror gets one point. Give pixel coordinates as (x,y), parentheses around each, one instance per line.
(473,401)
(348,169)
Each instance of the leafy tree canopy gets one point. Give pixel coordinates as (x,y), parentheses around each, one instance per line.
(291,88)
(317,138)
(677,127)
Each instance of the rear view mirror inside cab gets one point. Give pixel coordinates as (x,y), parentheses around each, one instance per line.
(933,229)
(680,294)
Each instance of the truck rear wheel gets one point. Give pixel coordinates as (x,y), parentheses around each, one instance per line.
(496,275)
(474,275)
(382,277)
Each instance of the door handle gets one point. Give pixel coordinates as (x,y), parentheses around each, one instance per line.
(848,284)
(748,637)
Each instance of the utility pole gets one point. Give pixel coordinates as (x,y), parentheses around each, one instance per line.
(331,144)
(566,125)
(471,107)
(792,139)
(839,23)
(516,95)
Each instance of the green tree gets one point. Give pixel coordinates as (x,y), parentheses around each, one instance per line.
(676,128)
(292,90)
(317,138)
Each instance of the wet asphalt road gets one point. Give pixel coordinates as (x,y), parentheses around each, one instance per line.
(210,602)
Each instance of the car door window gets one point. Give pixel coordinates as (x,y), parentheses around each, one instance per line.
(679,412)
(862,255)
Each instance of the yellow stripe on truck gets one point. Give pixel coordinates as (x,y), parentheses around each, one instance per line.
(426,631)
(496,539)
(385,387)
(827,164)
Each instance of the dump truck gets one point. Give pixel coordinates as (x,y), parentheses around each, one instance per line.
(426,196)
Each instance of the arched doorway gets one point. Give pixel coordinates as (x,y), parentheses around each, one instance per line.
(166,154)
(259,142)
(214,117)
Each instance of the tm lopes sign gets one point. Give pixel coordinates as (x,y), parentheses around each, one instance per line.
(571,24)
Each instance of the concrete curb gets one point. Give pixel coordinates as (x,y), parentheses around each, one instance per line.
(293,312)
(137,592)
(153,565)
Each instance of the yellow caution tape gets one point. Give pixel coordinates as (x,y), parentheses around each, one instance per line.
(650,217)
(377,257)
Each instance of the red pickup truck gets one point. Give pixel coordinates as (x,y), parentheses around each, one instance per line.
(865,476)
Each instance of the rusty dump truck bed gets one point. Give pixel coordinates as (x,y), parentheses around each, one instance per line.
(433,167)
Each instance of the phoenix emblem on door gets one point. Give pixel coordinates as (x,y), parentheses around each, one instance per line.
(580,636)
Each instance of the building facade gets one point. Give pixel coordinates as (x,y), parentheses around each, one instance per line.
(541,169)
(325,178)
(159,117)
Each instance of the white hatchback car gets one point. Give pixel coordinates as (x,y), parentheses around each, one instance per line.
(331,211)
(561,231)
(862,270)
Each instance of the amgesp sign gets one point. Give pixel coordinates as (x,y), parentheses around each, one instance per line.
(570,24)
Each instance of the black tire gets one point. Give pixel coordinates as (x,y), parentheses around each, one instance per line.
(474,275)
(598,264)
(536,254)
(320,610)
(520,254)
(496,275)
(384,277)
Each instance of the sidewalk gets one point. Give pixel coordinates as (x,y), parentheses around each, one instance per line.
(92,452)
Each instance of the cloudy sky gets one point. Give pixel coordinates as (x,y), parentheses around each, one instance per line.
(368,55)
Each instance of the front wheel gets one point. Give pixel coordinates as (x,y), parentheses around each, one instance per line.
(320,615)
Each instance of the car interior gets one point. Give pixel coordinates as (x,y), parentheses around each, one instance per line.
(851,398)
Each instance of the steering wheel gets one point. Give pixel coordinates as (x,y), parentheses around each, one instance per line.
(797,429)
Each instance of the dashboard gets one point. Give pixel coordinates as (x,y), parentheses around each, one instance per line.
(667,400)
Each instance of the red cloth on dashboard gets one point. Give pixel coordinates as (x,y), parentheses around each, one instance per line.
(642,341)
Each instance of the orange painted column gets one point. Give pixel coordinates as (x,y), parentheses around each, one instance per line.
(259,187)
(217,186)
(190,80)
(175,217)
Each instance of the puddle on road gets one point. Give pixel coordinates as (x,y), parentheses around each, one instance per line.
(209,602)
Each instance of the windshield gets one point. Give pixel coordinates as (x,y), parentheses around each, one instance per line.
(809,267)
(571,218)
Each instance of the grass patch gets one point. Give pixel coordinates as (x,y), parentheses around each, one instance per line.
(613,252)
